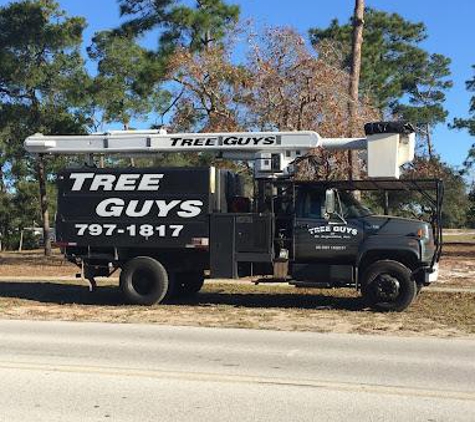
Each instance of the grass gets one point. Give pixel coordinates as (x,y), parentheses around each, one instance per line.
(459,238)
(275,307)
(34,263)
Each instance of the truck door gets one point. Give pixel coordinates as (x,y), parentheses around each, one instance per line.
(318,239)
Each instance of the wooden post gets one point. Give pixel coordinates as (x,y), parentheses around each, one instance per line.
(20,246)
(41,173)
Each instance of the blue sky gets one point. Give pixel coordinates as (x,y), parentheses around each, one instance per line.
(451,32)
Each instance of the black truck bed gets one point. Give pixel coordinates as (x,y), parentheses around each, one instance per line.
(149,208)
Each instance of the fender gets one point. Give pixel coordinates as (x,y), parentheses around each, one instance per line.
(393,246)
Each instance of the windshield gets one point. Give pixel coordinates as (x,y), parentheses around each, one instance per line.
(351,207)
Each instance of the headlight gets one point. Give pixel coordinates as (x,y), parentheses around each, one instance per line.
(424,232)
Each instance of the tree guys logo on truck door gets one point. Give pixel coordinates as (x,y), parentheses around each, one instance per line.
(129,182)
(331,231)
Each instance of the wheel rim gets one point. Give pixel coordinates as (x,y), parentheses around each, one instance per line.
(386,288)
(142,282)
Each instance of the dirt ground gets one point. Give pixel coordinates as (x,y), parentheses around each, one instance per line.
(241,305)
(457,265)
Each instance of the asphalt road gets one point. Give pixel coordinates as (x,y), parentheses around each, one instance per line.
(58,371)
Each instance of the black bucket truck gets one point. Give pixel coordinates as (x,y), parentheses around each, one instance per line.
(165,228)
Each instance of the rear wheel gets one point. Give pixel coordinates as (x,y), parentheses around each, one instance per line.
(388,286)
(144,281)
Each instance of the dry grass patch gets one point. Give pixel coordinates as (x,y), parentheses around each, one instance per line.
(245,306)
(457,266)
(35,264)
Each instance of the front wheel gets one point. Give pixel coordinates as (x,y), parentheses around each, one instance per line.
(388,286)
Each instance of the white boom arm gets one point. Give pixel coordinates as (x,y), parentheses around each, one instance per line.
(129,142)
(260,146)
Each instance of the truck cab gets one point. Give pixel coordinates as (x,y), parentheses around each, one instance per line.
(333,225)
(337,241)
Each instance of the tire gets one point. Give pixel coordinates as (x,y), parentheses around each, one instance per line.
(388,286)
(144,281)
(187,284)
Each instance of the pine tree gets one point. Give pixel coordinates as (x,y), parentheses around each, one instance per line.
(41,78)
(194,27)
(122,90)
(392,59)
(426,99)
(468,123)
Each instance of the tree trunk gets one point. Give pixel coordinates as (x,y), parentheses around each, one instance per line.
(358,15)
(41,174)
(2,180)
(429,142)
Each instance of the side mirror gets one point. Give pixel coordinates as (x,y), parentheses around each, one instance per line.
(330,202)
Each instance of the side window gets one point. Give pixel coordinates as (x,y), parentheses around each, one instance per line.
(351,208)
(347,205)
(309,204)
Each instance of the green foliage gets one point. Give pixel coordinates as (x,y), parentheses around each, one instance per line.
(20,208)
(122,89)
(455,196)
(41,72)
(471,208)
(179,24)
(393,63)
(42,80)
(469,123)
(427,97)
(415,204)
(456,202)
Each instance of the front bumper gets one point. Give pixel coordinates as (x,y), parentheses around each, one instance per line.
(431,274)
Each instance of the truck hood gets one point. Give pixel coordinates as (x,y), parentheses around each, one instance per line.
(388,225)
